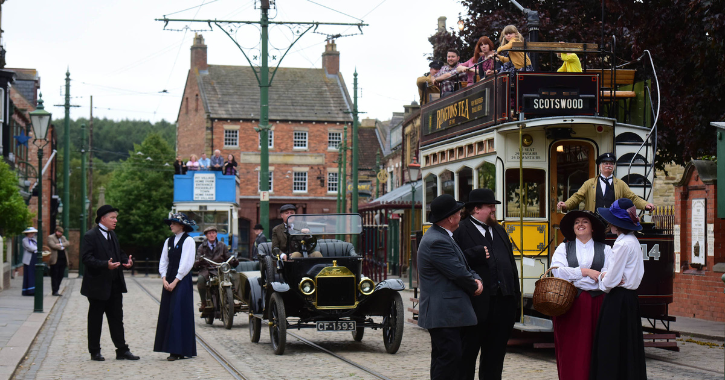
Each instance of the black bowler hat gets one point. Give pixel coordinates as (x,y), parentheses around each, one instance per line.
(606,157)
(258,227)
(103,210)
(598,227)
(436,65)
(287,207)
(442,207)
(482,197)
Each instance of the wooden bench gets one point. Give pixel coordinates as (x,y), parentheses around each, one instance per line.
(556,47)
(623,77)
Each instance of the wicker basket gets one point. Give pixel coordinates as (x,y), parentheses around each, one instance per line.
(553,296)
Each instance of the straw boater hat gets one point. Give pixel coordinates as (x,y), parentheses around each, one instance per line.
(622,214)
(442,207)
(182,219)
(30,230)
(567,225)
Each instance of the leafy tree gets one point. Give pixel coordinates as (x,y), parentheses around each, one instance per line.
(686,40)
(14,214)
(142,188)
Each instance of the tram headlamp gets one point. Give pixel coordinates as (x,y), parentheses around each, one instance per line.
(226,267)
(366,286)
(307,286)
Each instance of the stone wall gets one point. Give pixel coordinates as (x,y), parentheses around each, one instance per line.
(663,188)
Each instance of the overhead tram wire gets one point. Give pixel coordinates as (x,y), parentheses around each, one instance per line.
(335,10)
(197,6)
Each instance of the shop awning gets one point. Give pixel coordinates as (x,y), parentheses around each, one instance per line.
(397,198)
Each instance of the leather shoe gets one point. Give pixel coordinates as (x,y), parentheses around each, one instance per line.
(126,356)
(57,294)
(173,357)
(97,357)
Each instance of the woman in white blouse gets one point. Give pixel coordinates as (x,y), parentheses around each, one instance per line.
(579,260)
(175,327)
(618,350)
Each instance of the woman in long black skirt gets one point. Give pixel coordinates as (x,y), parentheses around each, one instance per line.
(618,350)
(175,328)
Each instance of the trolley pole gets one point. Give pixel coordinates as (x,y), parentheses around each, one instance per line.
(521,215)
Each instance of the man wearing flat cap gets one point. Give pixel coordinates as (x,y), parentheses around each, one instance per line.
(488,250)
(217,252)
(280,234)
(103,283)
(602,190)
(447,284)
(426,81)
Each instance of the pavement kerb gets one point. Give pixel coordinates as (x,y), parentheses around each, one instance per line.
(17,347)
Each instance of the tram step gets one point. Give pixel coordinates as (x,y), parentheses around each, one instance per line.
(661,336)
(414,311)
(413,321)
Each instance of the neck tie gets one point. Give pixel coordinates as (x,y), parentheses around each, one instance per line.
(607,182)
(486,231)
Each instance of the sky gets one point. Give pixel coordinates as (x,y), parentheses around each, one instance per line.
(134,69)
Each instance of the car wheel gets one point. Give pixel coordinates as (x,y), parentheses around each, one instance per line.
(393,324)
(228,308)
(269,270)
(278,326)
(210,315)
(255,328)
(357,335)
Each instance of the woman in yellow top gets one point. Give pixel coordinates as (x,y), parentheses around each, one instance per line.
(512,61)
(571,62)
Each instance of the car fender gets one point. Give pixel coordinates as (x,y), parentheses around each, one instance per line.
(392,284)
(280,287)
(256,300)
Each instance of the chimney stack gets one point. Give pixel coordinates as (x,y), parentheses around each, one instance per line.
(441,24)
(331,58)
(198,53)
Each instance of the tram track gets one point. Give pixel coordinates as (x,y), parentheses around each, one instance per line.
(229,367)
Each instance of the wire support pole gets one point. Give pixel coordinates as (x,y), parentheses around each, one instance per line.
(66,157)
(355,156)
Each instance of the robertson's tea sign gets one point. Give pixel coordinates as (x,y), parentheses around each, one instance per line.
(558,94)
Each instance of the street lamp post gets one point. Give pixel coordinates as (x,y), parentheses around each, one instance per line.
(41,120)
(413,171)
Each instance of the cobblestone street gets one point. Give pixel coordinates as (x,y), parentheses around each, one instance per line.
(60,351)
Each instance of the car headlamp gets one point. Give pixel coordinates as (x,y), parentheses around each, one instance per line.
(366,286)
(307,286)
(226,267)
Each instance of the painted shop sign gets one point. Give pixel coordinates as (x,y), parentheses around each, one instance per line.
(204,187)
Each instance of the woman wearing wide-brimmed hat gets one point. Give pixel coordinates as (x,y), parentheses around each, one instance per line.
(580,260)
(30,245)
(175,327)
(618,349)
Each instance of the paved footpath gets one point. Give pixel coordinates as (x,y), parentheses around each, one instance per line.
(60,349)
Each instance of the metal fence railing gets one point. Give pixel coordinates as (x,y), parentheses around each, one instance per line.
(664,218)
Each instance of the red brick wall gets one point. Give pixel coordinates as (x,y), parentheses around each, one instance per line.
(698,293)
(191,136)
(33,205)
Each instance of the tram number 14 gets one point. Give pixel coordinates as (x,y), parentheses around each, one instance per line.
(653,253)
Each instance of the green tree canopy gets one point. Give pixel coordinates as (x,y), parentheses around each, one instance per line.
(14,214)
(142,188)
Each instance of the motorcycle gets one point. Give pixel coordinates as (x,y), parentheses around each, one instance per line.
(222,302)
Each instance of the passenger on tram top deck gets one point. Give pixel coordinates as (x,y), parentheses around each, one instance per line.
(427,81)
(483,55)
(204,162)
(571,62)
(602,190)
(448,75)
(512,61)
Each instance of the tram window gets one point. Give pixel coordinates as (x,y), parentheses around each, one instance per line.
(636,180)
(204,219)
(628,137)
(447,183)
(431,189)
(625,159)
(534,196)
(465,184)
(487,176)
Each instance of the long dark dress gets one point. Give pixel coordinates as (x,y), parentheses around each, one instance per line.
(175,327)
(29,273)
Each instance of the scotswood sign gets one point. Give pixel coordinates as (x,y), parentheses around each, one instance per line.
(560,94)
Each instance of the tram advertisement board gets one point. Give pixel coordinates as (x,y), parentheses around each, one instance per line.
(559,94)
(469,109)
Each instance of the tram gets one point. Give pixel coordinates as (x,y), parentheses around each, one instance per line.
(533,138)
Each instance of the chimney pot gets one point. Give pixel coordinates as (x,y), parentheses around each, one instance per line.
(198,53)
(331,58)
(442,24)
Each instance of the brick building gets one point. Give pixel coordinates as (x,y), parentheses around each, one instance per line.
(700,259)
(308,110)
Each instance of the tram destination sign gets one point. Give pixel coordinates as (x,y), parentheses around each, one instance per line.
(471,108)
(557,93)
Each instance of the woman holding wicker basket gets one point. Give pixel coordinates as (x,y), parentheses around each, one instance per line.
(579,260)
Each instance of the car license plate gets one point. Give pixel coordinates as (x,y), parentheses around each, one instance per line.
(336,325)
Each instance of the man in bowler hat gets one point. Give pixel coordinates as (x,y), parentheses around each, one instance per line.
(259,239)
(103,283)
(488,250)
(447,284)
(602,190)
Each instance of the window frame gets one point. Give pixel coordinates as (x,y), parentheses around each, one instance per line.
(295,181)
(226,138)
(336,182)
(295,140)
(329,140)
(270,140)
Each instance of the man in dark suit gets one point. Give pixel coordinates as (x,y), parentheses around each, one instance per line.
(103,283)
(446,286)
(488,249)
(259,239)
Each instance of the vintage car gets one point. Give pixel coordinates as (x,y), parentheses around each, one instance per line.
(327,293)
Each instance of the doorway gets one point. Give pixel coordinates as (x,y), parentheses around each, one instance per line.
(572,163)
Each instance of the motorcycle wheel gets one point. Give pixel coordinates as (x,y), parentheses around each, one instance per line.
(228,308)
(210,317)
(278,326)
(255,328)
